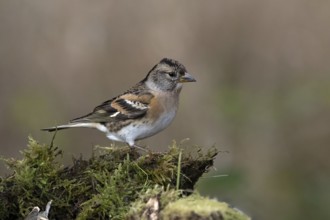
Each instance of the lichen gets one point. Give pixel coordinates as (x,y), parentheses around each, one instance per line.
(198,207)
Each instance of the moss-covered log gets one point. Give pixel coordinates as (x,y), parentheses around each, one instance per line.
(115,183)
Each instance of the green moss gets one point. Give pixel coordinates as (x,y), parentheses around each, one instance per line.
(172,204)
(35,174)
(201,208)
(163,196)
(111,184)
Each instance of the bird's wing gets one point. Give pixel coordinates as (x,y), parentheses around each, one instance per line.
(126,106)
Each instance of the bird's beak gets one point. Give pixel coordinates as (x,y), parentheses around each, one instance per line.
(187,78)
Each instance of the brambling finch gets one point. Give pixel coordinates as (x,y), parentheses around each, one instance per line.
(142,111)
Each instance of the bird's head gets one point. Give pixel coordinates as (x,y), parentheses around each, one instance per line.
(168,75)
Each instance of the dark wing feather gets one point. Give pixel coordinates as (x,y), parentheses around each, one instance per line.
(126,106)
(99,114)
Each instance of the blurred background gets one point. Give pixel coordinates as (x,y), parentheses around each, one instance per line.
(262,94)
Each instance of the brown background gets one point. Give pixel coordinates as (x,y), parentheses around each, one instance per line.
(262,96)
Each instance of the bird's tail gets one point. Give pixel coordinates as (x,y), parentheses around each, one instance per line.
(70,125)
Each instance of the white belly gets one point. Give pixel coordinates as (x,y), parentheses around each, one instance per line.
(133,132)
(141,131)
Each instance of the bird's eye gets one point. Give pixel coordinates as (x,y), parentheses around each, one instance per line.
(172,74)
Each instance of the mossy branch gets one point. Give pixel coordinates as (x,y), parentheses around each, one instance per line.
(115,183)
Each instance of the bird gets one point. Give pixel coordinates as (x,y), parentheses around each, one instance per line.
(143,110)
